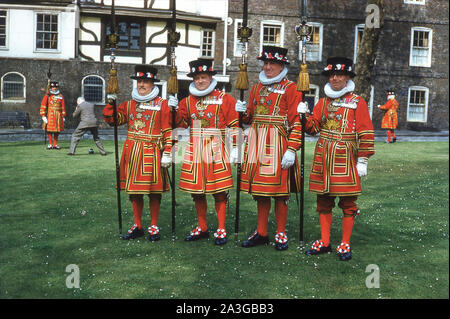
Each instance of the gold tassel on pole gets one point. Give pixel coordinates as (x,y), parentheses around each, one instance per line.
(172,85)
(242,79)
(303,78)
(113,85)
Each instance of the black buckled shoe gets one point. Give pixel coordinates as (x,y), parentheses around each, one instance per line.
(133,233)
(221,237)
(197,234)
(281,241)
(153,233)
(255,240)
(344,252)
(318,248)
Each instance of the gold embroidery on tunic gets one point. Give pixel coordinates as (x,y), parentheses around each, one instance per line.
(262,110)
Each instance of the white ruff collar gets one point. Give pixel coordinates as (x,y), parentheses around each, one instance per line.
(194,91)
(266,81)
(350,87)
(54,92)
(144,98)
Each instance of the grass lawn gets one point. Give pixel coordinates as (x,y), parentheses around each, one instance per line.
(57,210)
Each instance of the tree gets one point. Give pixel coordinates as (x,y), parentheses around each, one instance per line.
(368,47)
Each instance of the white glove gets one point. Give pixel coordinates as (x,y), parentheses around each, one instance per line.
(361,166)
(378,105)
(240,106)
(111,97)
(302,108)
(288,159)
(44,118)
(173,102)
(64,119)
(234,155)
(166,160)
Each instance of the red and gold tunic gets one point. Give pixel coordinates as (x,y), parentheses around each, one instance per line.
(53,107)
(149,134)
(346,133)
(275,128)
(206,168)
(390,118)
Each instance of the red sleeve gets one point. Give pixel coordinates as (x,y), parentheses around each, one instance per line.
(63,106)
(364,129)
(313,121)
(166,126)
(247,118)
(293,98)
(386,106)
(122,114)
(43,109)
(182,118)
(229,112)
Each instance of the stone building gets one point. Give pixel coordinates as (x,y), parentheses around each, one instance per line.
(70,37)
(412,56)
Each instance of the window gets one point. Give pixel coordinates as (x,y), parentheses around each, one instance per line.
(3,28)
(237,40)
(420,53)
(93,88)
(359,30)
(312,97)
(207,46)
(46,31)
(417,104)
(272,33)
(13,87)
(314,45)
(129,35)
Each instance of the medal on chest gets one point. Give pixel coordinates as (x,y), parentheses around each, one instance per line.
(332,121)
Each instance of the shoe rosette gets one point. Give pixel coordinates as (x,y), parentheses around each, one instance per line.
(132,229)
(317,245)
(343,248)
(196,231)
(281,238)
(220,233)
(153,230)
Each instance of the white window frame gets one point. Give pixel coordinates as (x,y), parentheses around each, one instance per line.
(237,44)
(103,89)
(23,100)
(370,104)
(300,45)
(430,46)
(355,46)
(316,94)
(419,2)
(58,45)
(427,91)
(271,22)
(213,42)
(6,46)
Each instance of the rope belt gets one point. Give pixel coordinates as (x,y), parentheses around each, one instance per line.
(337,136)
(207,132)
(148,138)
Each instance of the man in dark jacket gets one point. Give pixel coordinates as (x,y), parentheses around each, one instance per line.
(88,122)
